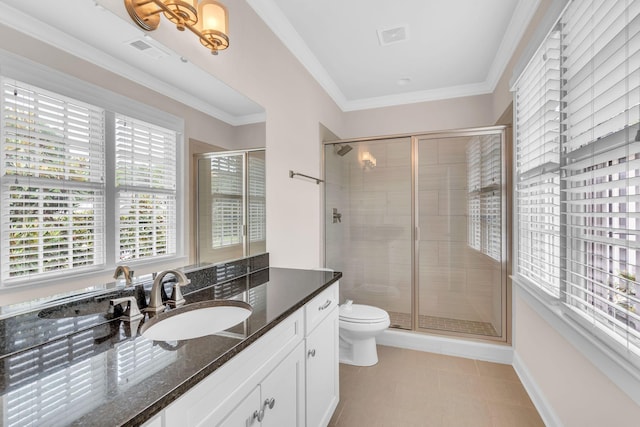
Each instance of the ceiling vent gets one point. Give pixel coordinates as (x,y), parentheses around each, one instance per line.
(146,48)
(387,36)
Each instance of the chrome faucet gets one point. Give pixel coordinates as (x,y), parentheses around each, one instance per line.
(126,272)
(156,301)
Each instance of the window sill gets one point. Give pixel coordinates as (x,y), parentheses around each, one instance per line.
(603,355)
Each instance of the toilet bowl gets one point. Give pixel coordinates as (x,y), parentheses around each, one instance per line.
(359,325)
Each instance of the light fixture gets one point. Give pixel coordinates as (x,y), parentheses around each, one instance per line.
(207,19)
(368,161)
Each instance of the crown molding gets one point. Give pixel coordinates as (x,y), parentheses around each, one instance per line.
(524,11)
(282,28)
(418,96)
(21,22)
(269,12)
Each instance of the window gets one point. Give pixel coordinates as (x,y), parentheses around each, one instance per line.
(257,199)
(231,205)
(227,184)
(484,178)
(59,198)
(578,168)
(146,188)
(537,111)
(53,177)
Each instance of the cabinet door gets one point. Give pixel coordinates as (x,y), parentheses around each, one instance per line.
(283,392)
(242,415)
(322,371)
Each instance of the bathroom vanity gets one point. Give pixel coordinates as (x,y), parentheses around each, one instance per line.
(279,367)
(288,377)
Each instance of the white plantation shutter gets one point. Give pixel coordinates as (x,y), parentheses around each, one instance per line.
(537,175)
(601,165)
(473,199)
(578,196)
(146,188)
(257,199)
(52,176)
(491,201)
(227,183)
(484,180)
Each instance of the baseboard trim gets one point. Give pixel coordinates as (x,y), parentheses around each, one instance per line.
(548,415)
(497,353)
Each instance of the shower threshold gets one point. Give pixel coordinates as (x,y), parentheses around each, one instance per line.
(403,321)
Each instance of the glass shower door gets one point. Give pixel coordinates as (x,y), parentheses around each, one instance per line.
(231,205)
(368,228)
(459,246)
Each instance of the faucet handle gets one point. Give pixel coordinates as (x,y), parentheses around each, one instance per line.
(177,299)
(131,312)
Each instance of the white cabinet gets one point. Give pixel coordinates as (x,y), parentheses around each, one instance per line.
(228,396)
(283,392)
(322,382)
(275,401)
(243,414)
(287,378)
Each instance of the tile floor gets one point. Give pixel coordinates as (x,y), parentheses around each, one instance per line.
(411,388)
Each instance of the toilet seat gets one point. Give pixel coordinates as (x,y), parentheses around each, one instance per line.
(358,313)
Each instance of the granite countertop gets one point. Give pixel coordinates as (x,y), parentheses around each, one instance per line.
(100,373)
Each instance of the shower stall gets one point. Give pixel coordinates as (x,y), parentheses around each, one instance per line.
(417,225)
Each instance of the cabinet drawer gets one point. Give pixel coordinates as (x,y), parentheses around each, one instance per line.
(319,307)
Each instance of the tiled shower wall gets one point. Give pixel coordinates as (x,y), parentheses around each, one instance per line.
(456,281)
(372,244)
(375,233)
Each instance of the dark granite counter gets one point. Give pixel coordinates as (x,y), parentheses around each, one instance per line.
(71,365)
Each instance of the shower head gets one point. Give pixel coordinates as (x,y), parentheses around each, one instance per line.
(343,149)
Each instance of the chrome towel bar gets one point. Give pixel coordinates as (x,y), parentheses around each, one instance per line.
(317,180)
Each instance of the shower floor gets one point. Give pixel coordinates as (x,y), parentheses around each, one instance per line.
(403,321)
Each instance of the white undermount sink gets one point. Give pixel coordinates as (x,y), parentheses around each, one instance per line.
(196,320)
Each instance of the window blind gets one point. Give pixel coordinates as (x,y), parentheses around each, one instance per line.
(491,179)
(484,180)
(145,165)
(537,174)
(52,177)
(601,164)
(257,198)
(578,167)
(474,228)
(227,183)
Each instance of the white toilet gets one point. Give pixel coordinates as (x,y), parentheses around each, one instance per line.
(359,326)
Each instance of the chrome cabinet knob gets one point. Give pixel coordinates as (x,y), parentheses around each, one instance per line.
(270,403)
(311,353)
(258,415)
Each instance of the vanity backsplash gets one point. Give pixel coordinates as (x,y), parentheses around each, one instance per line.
(73,314)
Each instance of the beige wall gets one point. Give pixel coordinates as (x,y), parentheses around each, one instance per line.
(577,391)
(455,113)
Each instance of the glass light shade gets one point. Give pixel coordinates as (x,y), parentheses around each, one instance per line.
(213,16)
(213,24)
(185,10)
